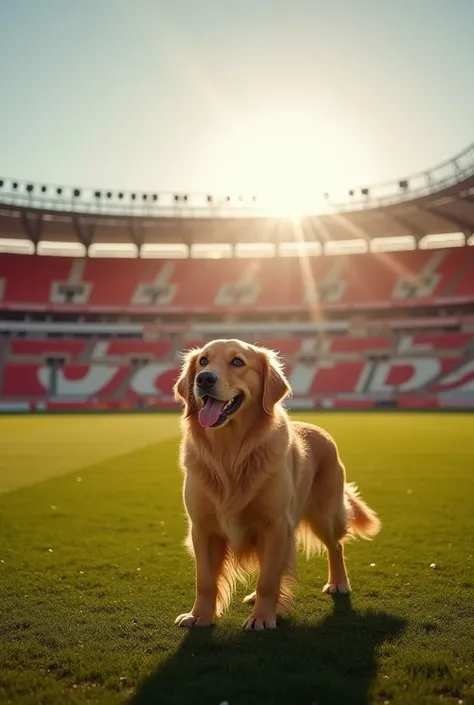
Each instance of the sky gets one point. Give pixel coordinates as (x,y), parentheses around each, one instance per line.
(255,97)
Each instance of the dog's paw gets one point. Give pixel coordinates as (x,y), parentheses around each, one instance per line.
(258,624)
(337,589)
(191,620)
(250,599)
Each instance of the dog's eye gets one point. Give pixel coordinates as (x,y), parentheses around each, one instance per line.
(203,361)
(237,362)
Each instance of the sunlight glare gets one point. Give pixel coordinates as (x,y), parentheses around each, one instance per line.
(289,160)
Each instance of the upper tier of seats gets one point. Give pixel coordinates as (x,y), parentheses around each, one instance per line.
(272,284)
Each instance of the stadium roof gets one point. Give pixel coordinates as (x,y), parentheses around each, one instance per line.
(436,201)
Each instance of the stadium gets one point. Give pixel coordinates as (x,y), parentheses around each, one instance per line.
(371,305)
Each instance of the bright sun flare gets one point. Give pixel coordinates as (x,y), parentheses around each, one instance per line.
(289,161)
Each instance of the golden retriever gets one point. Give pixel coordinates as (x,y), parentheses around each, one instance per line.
(257,484)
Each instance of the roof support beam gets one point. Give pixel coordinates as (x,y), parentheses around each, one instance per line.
(84,232)
(411,229)
(312,232)
(135,232)
(462,225)
(33,226)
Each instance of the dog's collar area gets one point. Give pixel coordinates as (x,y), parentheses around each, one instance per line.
(216,411)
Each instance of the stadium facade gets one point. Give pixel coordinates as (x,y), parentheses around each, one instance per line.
(370,302)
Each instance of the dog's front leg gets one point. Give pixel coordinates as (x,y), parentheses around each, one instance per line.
(209,550)
(274,553)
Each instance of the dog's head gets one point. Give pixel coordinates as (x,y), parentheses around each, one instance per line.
(226,379)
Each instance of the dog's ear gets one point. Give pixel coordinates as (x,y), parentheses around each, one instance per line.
(275,385)
(183,388)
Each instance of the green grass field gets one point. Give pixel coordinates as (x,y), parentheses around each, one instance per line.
(93,573)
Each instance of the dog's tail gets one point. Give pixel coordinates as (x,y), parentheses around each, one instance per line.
(362,519)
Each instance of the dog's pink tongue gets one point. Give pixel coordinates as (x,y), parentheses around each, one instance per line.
(210,412)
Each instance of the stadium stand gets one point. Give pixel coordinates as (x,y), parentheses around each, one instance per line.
(325,367)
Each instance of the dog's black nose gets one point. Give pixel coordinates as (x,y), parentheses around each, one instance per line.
(206,380)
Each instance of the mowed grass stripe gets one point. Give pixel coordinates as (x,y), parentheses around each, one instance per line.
(35,448)
(90,588)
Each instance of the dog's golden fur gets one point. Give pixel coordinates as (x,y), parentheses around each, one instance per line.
(257,486)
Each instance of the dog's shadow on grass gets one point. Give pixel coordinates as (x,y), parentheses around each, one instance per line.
(333,661)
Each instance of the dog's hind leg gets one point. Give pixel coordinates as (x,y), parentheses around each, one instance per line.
(326,518)
(338,581)
(330,531)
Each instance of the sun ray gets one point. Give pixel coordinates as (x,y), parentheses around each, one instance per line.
(396,266)
(312,300)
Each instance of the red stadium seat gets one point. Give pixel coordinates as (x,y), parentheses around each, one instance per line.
(28,278)
(113,284)
(47,347)
(379,344)
(465,284)
(338,377)
(22,381)
(328,377)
